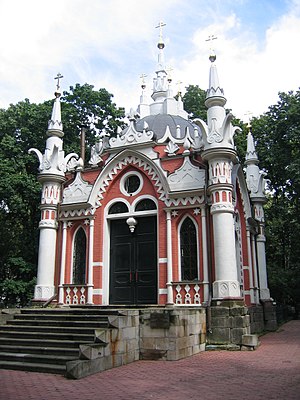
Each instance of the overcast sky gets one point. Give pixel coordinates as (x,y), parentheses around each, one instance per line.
(110,43)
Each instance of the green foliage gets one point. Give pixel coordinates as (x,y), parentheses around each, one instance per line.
(194,102)
(94,110)
(277,135)
(23,126)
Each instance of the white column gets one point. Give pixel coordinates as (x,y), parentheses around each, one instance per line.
(204,255)
(90,283)
(226,283)
(169,260)
(254,263)
(262,267)
(44,288)
(63,263)
(250,266)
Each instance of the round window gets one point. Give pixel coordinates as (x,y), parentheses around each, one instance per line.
(131,183)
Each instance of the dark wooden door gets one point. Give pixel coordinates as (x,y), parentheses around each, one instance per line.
(133,262)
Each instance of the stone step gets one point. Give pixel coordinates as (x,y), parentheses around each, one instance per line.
(79,337)
(60,317)
(36,358)
(96,324)
(45,343)
(55,328)
(60,351)
(37,367)
(89,311)
(45,340)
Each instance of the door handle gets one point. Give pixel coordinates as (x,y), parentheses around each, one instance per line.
(136,276)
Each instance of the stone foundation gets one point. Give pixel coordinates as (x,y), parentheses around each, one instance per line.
(229,322)
(257,324)
(172,334)
(270,319)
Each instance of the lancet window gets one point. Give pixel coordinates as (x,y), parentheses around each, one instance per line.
(188,250)
(79,258)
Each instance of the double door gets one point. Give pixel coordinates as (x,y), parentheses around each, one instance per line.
(133,262)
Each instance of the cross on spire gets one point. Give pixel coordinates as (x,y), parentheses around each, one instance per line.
(179,83)
(160,26)
(248,115)
(143,76)
(58,77)
(211,38)
(212,56)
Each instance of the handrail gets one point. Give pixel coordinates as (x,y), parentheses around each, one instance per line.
(44,305)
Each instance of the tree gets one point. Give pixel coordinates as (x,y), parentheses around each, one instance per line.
(23,126)
(92,109)
(277,135)
(194,102)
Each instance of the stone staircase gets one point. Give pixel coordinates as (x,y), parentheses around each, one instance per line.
(51,340)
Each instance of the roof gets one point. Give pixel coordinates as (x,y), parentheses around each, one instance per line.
(159,123)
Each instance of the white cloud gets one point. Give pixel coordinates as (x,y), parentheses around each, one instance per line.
(110,43)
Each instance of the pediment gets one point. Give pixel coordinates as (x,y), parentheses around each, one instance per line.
(77,192)
(187,177)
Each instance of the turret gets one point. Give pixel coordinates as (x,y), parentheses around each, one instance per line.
(220,154)
(52,168)
(256,186)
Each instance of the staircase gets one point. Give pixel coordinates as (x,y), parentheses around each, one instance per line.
(45,340)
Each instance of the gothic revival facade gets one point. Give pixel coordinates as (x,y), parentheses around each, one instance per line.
(162,215)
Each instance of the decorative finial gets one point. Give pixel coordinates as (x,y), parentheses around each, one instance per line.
(143,76)
(169,71)
(249,115)
(179,83)
(58,77)
(160,44)
(212,57)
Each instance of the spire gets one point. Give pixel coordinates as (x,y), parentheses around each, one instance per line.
(54,162)
(160,82)
(220,130)
(214,89)
(55,126)
(251,156)
(254,177)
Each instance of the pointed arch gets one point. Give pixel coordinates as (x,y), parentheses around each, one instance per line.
(188,249)
(117,163)
(79,257)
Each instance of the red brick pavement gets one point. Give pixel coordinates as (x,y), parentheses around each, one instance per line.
(270,372)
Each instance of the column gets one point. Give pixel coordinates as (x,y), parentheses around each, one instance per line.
(90,283)
(63,263)
(264,292)
(44,288)
(169,260)
(254,263)
(204,255)
(250,266)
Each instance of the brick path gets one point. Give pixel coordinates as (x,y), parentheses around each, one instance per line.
(270,372)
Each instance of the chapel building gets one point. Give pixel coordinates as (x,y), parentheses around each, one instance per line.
(163,214)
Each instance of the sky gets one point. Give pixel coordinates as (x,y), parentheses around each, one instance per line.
(111,43)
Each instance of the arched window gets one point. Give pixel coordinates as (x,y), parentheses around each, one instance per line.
(188,250)
(79,258)
(145,205)
(118,208)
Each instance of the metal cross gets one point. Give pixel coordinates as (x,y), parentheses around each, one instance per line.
(248,115)
(211,38)
(58,77)
(179,83)
(143,76)
(160,26)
